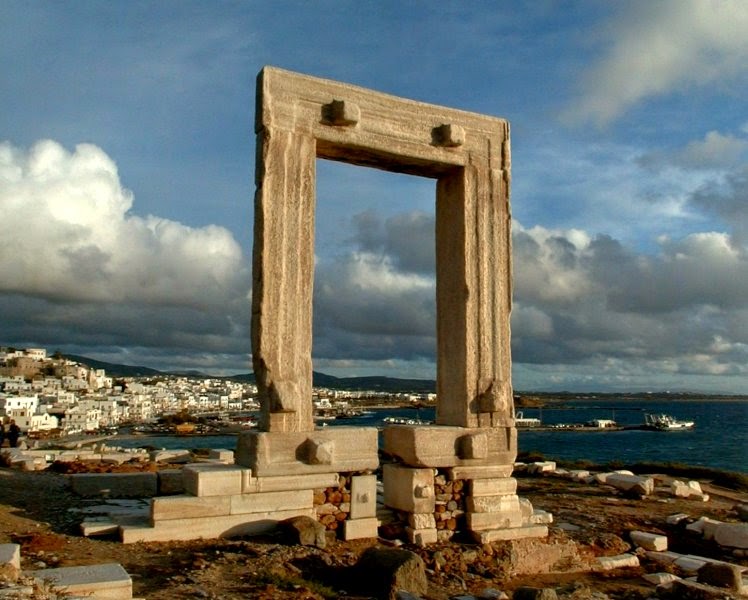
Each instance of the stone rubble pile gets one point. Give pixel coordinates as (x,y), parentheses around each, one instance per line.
(623,480)
(333,504)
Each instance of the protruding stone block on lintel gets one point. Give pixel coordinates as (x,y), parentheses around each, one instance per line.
(449,135)
(268,454)
(341,113)
(448,446)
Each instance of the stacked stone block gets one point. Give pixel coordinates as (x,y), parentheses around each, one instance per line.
(449,512)
(228,500)
(452,479)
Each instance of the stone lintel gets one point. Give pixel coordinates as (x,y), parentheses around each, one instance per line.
(514,533)
(390,133)
(268,454)
(447,446)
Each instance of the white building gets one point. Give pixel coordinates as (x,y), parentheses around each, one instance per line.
(78,418)
(36,353)
(15,404)
(29,422)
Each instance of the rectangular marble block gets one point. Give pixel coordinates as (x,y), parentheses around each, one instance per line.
(649,541)
(102,582)
(271,501)
(493,487)
(445,446)
(189,507)
(408,489)
(213,479)
(363,496)
(354,529)
(489,472)
(514,533)
(493,520)
(422,520)
(282,483)
(350,449)
(209,527)
(493,504)
(421,537)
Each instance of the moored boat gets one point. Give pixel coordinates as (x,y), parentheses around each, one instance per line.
(663,422)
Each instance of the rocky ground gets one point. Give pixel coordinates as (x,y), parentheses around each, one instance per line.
(38,511)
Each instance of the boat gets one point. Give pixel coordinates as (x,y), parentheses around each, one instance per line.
(521,421)
(663,422)
(404,421)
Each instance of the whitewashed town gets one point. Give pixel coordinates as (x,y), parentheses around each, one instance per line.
(53,395)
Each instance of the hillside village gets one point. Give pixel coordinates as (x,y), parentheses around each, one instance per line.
(53,395)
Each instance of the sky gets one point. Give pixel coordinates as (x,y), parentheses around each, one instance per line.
(127,180)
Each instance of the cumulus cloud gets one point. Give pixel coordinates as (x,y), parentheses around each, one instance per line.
(659,47)
(72,249)
(82,270)
(582,303)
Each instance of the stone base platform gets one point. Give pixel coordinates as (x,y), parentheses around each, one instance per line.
(229,501)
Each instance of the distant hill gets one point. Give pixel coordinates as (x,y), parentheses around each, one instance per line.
(381,384)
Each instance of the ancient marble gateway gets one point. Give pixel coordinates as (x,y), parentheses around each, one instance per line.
(473,445)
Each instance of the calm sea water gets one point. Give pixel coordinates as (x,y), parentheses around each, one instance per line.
(719,440)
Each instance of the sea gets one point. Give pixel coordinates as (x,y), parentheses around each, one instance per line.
(719,439)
